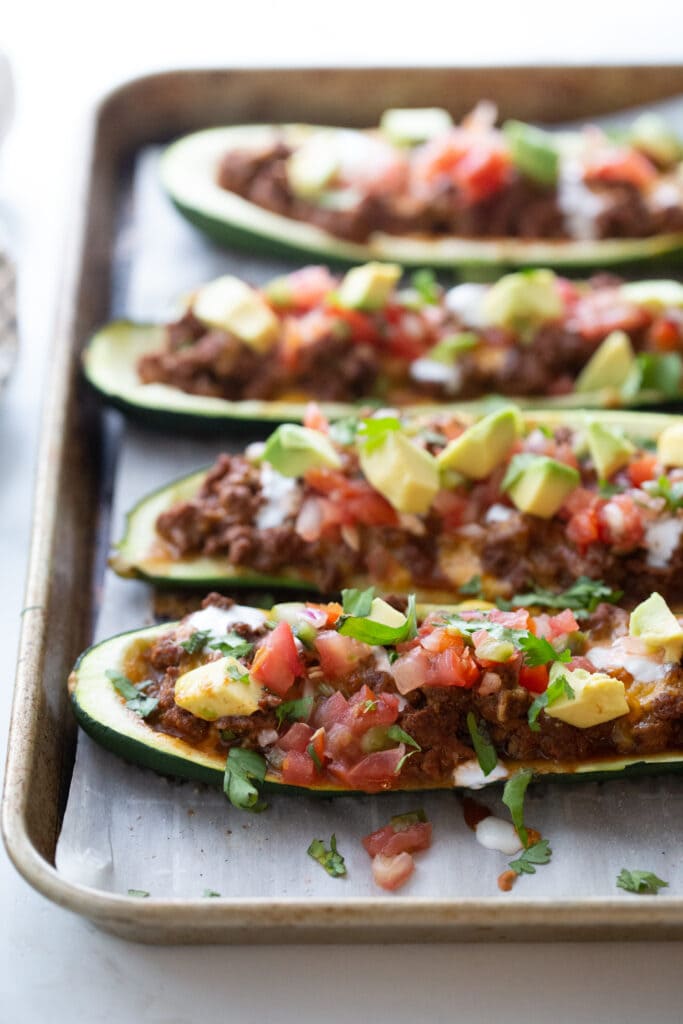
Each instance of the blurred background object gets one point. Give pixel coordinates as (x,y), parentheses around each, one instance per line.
(8,307)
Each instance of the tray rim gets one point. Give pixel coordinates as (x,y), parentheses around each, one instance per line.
(258,919)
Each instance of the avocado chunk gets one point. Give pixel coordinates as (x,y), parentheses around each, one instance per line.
(218,688)
(654,295)
(539,485)
(385,614)
(407,475)
(657,626)
(231,305)
(533,151)
(609,366)
(608,448)
(369,286)
(651,134)
(293,450)
(597,698)
(523,301)
(483,446)
(670,445)
(410,126)
(313,165)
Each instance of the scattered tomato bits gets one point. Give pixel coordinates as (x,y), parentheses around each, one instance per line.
(392,847)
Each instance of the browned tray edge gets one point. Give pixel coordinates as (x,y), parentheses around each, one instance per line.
(244,920)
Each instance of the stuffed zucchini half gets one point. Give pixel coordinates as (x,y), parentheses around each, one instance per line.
(508,507)
(368,697)
(423,191)
(241,353)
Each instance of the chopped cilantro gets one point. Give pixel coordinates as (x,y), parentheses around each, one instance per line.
(644,882)
(357,602)
(399,735)
(232,644)
(135,699)
(484,749)
(472,588)
(241,767)
(139,893)
(556,690)
(655,371)
(368,706)
(294,710)
(313,754)
(663,488)
(378,633)
(331,860)
(210,894)
(195,642)
(513,798)
(427,287)
(583,597)
(539,853)
(238,673)
(539,651)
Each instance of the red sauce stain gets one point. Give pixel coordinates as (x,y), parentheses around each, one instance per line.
(473,812)
(506,880)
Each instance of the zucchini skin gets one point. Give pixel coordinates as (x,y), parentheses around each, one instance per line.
(188,175)
(109,363)
(106,720)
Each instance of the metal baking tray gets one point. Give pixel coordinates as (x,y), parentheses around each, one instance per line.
(79,450)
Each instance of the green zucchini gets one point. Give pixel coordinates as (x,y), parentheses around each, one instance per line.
(104,716)
(135,555)
(110,362)
(188,172)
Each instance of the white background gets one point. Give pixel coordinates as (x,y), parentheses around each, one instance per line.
(54,966)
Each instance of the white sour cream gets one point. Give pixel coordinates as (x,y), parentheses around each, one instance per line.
(470,776)
(281,498)
(661,539)
(431,371)
(467,301)
(630,655)
(579,204)
(218,621)
(499,513)
(496,834)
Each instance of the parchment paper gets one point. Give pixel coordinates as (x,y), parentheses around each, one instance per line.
(127,828)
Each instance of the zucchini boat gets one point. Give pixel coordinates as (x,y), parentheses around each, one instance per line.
(368,698)
(435,194)
(241,353)
(500,507)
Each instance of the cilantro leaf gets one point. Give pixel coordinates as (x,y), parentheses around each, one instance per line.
(484,749)
(313,754)
(539,651)
(556,690)
(241,767)
(196,641)
(399,735)
(427,287)
(238,673)
(140,893)
(331,860)
(539,853)
(294,710)
(377,633)
(210,894)
(644,882)
(513,798)
(472,588)
(663,488)
(232,644)
(656,371)
(135,700)
(357,602)
(449,348)
(373,432)
(583,597)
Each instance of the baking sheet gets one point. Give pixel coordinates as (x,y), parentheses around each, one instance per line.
(126,828)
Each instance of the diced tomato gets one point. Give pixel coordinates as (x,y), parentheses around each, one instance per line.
(621,522)
(410,670)
(355,500)
(317,746)
(369,710)
(476,162)
(309,286)
(453,668)
(314,418)
(332,610)
(643,469)
(451,507)
(583,528)
(599,312)
(519,619)
(362,327)
(620,164)
(298,769)
(441,639)
(534,678)
(339,654)
(392,872)
(666,334)
(569,293)
(560,624)
(332,710)
(297,737)
(409,840)
(276,662)
(340,743)
(580,662)
(374,772)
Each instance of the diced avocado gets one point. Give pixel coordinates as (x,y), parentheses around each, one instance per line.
(231,305)
(368,287)
(218,688)
(313,165)
(651,134)
(288,611)
(384,613)
(654,295)
(533,151)
(410,126)
(597,698)
(608,448)
(523,301)
(670,445)
(538,484)
(657,626)
(407,475)
(483,446)
(609,366)
(293,450)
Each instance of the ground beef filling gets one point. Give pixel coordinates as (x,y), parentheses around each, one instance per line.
(435,717)
(521,209)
